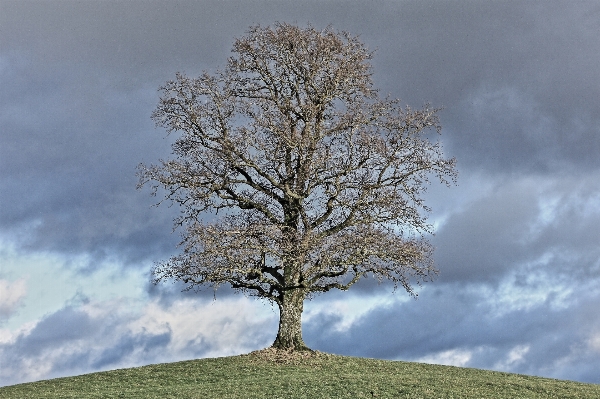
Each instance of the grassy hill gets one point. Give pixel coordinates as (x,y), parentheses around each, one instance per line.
(269,374)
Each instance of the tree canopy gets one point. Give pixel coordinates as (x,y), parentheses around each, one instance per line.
(293,176)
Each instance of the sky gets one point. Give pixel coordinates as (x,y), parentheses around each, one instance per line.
(517,240)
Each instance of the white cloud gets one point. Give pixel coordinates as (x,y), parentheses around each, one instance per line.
(221,325)
(529,287)
(11,296)
(9,336)
(594,342)
(452,357)
(120,333)
(350,309)
(52,279)
(515,356)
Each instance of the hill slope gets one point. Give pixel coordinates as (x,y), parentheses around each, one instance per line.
(267,375)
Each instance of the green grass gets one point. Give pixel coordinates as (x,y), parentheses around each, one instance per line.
(321,376)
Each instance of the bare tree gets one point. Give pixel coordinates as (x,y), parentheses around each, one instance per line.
(318,181)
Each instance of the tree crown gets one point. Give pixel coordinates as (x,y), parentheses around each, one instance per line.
(319,181)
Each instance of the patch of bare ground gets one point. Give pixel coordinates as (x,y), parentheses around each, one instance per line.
(287,356)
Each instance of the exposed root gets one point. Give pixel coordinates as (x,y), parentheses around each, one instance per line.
(286,356)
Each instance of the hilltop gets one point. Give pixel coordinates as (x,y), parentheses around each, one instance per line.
(275,374)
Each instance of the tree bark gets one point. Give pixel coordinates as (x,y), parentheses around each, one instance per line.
(289,335)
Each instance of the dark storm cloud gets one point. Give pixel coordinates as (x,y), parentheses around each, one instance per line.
(79,83)
(138,39)
(67,324)
(449,318)
(518,288)
(553,224)
(516,79)
(69,170)
(516,226)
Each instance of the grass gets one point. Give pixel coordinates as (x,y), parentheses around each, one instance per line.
(265,375)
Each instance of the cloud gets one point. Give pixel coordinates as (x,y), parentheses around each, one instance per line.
(78,99)
(11,296)
(106,335)
(127,344)
(546,223)
(508,129)
(513,78)
(452,357)
(168,292)
(69,181)
(455,325)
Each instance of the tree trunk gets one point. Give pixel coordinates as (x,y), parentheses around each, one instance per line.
(289,335)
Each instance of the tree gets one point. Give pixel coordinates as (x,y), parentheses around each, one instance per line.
(293,176)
